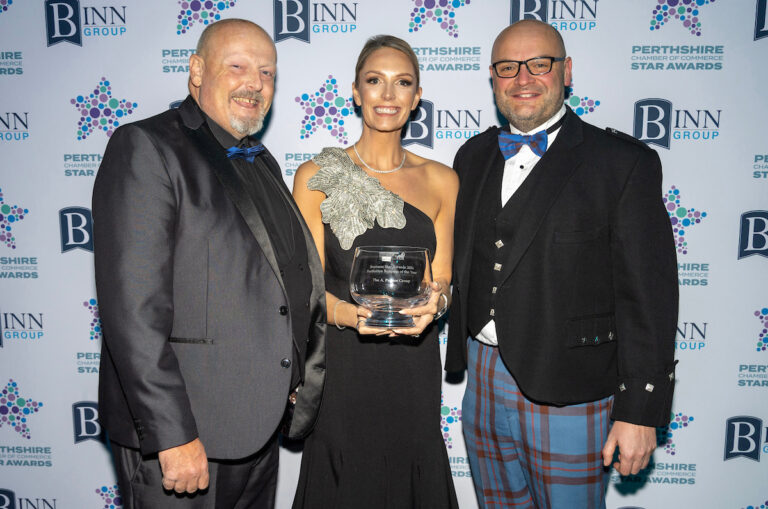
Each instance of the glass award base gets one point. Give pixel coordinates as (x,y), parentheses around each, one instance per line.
(389,320)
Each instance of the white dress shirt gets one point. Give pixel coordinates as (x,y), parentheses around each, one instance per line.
(516,170)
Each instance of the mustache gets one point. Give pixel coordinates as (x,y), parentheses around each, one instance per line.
(253,95)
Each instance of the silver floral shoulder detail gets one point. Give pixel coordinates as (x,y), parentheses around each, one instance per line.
(354,199)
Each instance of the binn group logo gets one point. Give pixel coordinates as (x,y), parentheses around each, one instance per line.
(68,21)
(9,216)
(449,416)
(665,435)
(685,12)
(745,437)
(761,19)
(85,422)
(99,111)
(14,126)
(438,12)
(200,12)
(564,15)
(429,123)
(325,110)
(110,496)
(753,234)
(762,337)
(21,327)
(657,123)
(296,19)
(682,218)
(76,228)
(15,409)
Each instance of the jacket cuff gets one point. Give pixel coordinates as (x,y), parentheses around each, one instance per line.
(646,401)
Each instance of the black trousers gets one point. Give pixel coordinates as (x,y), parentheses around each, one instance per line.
(244,483)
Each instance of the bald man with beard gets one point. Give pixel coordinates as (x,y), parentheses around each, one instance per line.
(210,290)
(565,281)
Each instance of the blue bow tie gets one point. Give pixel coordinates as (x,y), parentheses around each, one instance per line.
(510,144)
(249,154)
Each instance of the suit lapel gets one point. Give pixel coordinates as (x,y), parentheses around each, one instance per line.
(472,185)
(554,169)
(225,172)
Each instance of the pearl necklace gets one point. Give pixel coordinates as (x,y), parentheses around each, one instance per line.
(354,147)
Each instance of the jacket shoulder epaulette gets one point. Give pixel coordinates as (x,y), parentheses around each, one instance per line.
(626,137)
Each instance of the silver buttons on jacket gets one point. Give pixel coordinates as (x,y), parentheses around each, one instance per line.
(499,244)
(496,266)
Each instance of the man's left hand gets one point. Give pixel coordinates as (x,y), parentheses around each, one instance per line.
(636,444)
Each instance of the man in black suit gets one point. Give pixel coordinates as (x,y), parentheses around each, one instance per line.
(565,279)
(210,290)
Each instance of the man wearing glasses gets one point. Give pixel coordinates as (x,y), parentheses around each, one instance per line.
(565,281)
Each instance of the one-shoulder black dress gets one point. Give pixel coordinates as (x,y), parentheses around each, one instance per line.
(377,442)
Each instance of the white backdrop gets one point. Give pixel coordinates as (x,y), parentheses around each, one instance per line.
(688,76)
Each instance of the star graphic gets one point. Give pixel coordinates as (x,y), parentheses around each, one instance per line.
(762,338)
(93,307)
(14,409)
(110,495)
(9,215)
(325,109)
(448,417)
(682,218)
(685,11)
(581,105)
(664,434)
(439,11)
(4,4)
(99,111)
(200,11)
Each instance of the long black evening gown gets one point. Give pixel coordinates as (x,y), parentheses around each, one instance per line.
(377,442)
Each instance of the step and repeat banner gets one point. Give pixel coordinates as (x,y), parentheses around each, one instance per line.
(688,77)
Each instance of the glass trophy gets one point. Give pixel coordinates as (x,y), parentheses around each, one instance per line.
(386,279)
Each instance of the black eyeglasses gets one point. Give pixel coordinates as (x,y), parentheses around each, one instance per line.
(536,66)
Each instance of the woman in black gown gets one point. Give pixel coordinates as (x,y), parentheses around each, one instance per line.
(377,442)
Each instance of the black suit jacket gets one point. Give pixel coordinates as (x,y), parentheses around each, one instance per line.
(197,329)
(588,301)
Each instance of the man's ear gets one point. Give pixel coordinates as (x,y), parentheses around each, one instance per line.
(196,68)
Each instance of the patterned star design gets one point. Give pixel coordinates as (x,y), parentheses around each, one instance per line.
(581,105)
(99,111)
(449,416)
(762,338)
(440,12)
(325,109)
(9,216)
(110,495)
(682,218)
(4,4)
(93,307)
(203,12)
(684,11)
(664,434)
(14,409)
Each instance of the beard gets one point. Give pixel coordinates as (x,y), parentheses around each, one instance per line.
(249,126)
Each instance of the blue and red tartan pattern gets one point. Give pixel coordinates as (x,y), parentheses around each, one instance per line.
(526,455)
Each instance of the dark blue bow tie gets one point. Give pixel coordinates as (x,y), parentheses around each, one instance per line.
(510,144)
(249,154)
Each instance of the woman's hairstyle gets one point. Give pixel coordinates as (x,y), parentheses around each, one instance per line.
(386,41)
